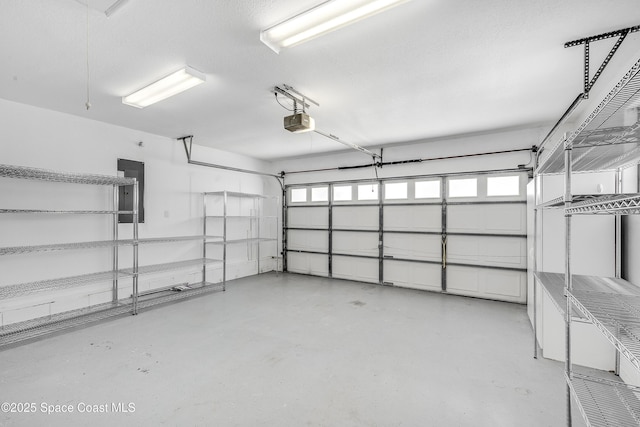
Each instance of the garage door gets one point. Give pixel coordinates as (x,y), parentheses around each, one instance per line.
(462,234)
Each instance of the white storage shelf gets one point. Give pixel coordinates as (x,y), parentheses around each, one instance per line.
(227,221)
(607,139)
(616,315)
(35,327)
(20,331)
(605,403)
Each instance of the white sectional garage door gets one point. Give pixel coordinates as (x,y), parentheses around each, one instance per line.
(463,235)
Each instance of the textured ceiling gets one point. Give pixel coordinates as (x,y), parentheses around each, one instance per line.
(426,69)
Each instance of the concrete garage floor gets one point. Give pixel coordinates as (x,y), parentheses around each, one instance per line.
(291,350)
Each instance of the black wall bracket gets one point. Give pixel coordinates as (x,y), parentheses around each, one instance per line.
(621,34)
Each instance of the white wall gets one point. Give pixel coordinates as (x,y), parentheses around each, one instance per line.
(470,144)
(35,137)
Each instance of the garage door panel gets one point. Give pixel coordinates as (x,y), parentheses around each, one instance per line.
(313,264)
(489,218)
(353,268)
(308,240)
(356,217)
(502,285)
(413,246)
(487,250)
(413,275)
(413,218)
(358,243)
(308,217)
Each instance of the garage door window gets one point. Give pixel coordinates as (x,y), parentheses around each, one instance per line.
(342,193)
(503,186)
(463,187)
(320,194)
(395,190)
(368,192)
(427,189)
(298,195)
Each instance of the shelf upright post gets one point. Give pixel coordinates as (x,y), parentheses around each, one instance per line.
(204,239)
(116,204)
(224,241)
(618,225)
(135,247)
(618,256)
(535,266)
(567,277)
(257,211)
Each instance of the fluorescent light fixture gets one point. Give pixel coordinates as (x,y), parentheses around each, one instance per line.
(173,84)
(327,16)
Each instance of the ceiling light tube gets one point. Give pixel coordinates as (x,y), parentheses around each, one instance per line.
(173,84)
(327,16)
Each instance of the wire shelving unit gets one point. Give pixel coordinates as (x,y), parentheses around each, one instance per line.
(32,328)
(240,218)
(608,139)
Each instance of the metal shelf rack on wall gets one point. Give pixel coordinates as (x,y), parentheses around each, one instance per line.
(246,213)
(607,140)
(18,331)
(119,305)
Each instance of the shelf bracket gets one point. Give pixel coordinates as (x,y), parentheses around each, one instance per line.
(621,34)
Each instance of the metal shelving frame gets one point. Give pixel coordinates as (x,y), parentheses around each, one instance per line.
(600,143)
(36,327)
(32,328)
(254,218)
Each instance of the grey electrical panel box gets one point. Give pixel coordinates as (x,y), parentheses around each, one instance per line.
(131,169)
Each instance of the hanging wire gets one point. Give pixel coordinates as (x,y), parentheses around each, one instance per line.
(281,104)
(88,103)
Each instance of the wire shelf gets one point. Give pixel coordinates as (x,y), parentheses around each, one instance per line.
(158,268)
(250,240)
(558,202)
(237,194)
(34,328)
(12,291)
(14,250)
(616,316)
(609,137)
(45,211)
(605,403)
(170,295)
(243,216)
(622,204)
(553,283)
(100,244)
(22,172)
(174,239)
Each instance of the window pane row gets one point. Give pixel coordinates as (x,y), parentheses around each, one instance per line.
(429,189)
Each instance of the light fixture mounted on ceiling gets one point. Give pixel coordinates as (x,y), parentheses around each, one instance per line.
(173,84)
(321,19)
